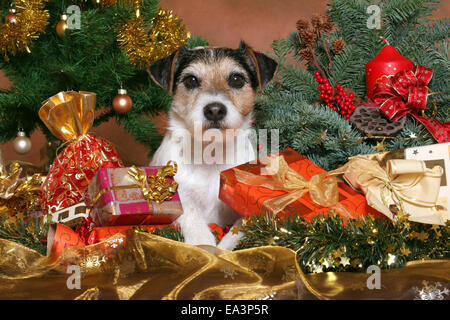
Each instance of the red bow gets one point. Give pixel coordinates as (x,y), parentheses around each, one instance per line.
(406,93)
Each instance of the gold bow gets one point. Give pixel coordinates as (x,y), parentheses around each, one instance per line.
(18,194)
(156,187)
(407,184)
(322,189)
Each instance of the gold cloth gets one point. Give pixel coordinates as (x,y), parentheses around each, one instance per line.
(145,266)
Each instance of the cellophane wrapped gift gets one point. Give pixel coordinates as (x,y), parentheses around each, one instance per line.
(298,187)
(134,196)
(69,116)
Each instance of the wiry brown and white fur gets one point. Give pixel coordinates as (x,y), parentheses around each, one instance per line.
(213,88)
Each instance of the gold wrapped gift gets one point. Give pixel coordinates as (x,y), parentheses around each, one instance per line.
(405,185)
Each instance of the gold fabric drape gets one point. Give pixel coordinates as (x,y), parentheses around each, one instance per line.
(144,266)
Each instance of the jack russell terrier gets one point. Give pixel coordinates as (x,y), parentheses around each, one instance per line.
(213,90)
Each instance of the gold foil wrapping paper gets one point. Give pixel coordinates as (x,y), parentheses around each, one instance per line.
(69,115)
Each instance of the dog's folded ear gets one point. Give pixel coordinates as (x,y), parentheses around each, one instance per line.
(265,67)
(162,71)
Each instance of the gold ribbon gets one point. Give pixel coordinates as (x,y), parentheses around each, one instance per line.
(154,187)
(408,184)
(322,189)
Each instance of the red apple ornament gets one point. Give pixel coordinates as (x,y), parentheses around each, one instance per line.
(388,62)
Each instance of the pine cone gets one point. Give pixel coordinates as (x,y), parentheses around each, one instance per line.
(339,45)
(302,25)
(321,22)
(309,37)
(326,22)
(307,54)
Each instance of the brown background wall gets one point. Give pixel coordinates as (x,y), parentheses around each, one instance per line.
(222,23)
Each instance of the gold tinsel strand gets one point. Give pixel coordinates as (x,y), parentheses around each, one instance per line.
(165,36)
(18,194)
(32,19)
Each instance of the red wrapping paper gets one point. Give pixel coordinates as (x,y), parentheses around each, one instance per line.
(247,200)
(69,115)
(61,237)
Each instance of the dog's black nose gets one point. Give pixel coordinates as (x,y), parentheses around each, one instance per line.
(215,111)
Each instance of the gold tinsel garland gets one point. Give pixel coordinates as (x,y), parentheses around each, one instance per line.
(32,19)
(18,194)
(143,48)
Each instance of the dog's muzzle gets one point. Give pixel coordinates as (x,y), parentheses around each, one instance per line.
(215,112)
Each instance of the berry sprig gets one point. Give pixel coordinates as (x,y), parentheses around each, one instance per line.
(343,101)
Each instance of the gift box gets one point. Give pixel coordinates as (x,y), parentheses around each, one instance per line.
(256,195)
(61,237)
(432,156)
(69,116)
(134,196)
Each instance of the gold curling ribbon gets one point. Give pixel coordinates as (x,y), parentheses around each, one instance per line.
(408,184)
(154,187)
(322,189)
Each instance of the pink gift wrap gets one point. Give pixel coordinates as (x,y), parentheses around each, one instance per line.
(128,206)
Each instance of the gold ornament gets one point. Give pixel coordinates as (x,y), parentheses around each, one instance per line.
(405,251)
(61,26)
(31,20)
(22,144)
(235,230)
(144,46)
(380,147)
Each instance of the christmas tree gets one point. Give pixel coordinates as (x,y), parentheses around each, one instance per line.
(102,46)
(338,45)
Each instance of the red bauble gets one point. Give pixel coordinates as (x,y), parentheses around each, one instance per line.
(388,62)
(122,103)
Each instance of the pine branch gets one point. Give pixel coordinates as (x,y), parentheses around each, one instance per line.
(329,244)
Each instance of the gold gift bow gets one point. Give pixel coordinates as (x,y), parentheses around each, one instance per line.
(16,194)
(154,187)
(323,190)
(409,183)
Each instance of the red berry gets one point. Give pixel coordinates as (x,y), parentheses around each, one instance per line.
(351,95)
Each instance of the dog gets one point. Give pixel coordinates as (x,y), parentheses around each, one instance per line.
(213,89)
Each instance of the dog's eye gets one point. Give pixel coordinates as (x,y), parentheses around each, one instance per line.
(236,81)
(191,82)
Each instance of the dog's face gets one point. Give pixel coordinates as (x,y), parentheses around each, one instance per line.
(214,87)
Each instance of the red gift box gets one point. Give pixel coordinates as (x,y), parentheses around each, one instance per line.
(61,237)
(247,200)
